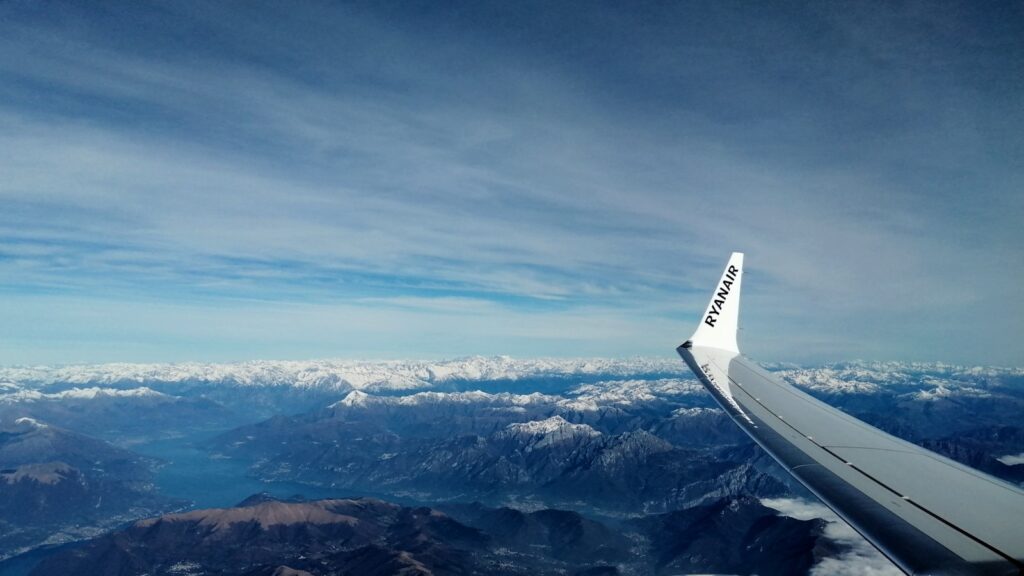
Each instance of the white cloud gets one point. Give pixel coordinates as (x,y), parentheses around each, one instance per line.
(1012,459)
(859,557)
(343,159)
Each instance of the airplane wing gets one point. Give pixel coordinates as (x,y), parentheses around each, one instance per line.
(927,513)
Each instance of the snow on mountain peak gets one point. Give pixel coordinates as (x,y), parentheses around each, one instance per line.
(358,398)
(832,380)
(940,392)
(29,422)
(354,398)
(590,397)
(695,412)
(97,392)
(341,375)
(92,393)
(554,424)
(596,384)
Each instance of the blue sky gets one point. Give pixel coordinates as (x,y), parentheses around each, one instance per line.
(228,181)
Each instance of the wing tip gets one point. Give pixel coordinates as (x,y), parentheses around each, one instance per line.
(719,325)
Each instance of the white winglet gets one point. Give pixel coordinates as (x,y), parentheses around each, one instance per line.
(718,326)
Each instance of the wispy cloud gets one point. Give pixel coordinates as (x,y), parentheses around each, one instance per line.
(858,557)
(582,160)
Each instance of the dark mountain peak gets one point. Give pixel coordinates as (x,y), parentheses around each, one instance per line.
(740,534)
(40,472)
(564,534)
(643,439)
(382,561)
(27,440)
(598,571)
(631,447)
(261,497)
(57,485)
(286,571)
(270,513)
(271,537)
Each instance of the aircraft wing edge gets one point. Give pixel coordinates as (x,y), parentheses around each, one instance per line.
(915,538)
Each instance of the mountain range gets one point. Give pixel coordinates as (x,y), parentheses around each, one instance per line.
(58,486)
(629,454)
(371,537)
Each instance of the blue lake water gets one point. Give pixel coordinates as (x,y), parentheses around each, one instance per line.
(191,473)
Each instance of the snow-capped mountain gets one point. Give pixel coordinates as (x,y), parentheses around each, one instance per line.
(635,377)
(57,485)
(599,439)
(15,395)
(903,377)
(339,375)
(620,436)
(556,425)
(115,414)
(585,398)
(538,434)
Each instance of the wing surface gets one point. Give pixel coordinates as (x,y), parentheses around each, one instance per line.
(927,513)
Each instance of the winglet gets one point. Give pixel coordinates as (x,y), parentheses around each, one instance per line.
(720,322)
